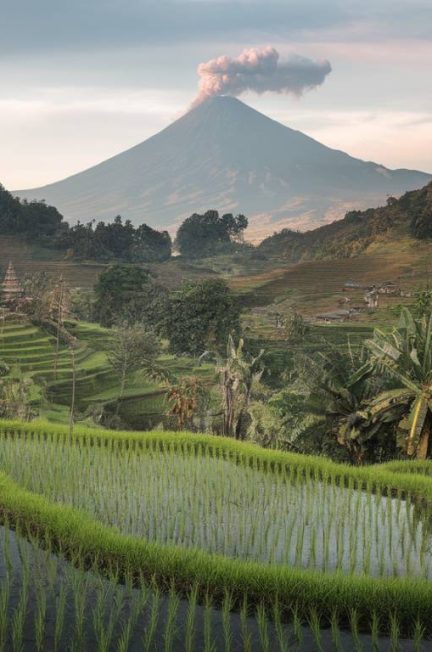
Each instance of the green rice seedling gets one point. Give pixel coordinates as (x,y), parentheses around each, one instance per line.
(277,620)
(354,628)
(4,605)
(261,618)
(315,625)
(170,623)
(190,619)
(129,626)
(79,591)
(227,606)
(101,629)
(297,624)
(209,643)
(40,615)
(394,633)
(244,629)
(335,631)
(6,548)
(153,621)
(18,621)
(60,612)
(375,631)
(418,635)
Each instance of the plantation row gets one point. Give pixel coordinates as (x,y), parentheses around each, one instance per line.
(307,534)
(153,494)
(47,603)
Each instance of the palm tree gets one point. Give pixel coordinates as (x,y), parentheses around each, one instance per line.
(405,356)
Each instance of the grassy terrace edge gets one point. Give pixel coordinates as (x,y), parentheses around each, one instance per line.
(78,536)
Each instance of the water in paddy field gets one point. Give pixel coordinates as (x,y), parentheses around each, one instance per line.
(47,604)
(212,504)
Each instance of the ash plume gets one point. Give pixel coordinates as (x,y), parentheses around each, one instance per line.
(261,71)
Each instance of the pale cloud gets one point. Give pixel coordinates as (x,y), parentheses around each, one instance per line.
(394,139)
(82,81)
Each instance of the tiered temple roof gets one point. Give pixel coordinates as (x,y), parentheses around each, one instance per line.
(11,287)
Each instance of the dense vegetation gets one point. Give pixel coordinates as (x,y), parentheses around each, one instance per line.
(125,293)
(119,240)
(345,546)
(33,220)
(200,316)
(210,234)
(116,240)
(359,229)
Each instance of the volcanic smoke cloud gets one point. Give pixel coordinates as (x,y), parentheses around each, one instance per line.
(259,70)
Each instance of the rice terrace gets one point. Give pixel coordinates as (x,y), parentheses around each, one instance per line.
(215,326)
(66,497)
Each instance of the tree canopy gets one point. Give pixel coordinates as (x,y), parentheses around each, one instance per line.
(125,293)
(199,317)
(209,234)
(33,219)
(119,239)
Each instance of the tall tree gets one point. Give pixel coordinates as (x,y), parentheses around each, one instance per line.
(200,316)
(133,349)
(208,234)
(59,305)
(124,293)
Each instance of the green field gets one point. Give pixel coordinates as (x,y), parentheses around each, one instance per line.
(31,351)
(125,505)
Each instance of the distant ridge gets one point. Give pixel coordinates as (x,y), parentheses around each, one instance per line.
(410,216)
(225,155)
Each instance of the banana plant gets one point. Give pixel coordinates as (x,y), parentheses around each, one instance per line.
(404,356)
(339,385)
(239,373)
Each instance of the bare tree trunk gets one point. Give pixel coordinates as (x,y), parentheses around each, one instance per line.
(229,404)
(59,321)
(423,445)
(72,406)
(122,389)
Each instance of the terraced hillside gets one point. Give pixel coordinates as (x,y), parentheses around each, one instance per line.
(340,558)
(29,259)
(32,351)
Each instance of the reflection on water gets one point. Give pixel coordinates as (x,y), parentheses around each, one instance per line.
(47,604)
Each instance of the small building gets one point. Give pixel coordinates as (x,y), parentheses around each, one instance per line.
(11,287)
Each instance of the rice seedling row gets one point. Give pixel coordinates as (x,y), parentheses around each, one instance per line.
(325,542)
(237,510)
(46,603)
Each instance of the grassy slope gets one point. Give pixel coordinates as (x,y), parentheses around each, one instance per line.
(31,350)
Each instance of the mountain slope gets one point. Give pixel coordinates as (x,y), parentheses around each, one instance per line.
(410,216)
(225,155)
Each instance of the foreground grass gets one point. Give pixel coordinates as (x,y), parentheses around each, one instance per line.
(74,532)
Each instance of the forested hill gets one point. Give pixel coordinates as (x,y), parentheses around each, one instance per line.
(410,215)
(41,224)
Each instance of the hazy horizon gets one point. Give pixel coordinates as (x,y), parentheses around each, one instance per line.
(82,83)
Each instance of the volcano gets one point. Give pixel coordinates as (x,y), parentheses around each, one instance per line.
(226,156)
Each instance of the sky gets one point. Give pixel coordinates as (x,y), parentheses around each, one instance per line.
(82,80)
